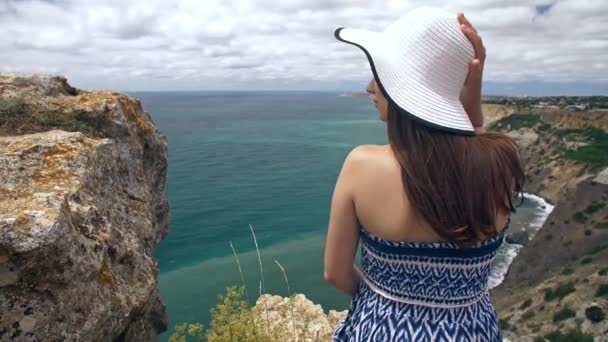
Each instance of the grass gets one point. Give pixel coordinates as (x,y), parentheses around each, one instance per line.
(595,314)
(517,121)
(11,108)
(62,120)
(594,154)
(18,117)
(563,314)
(561,291)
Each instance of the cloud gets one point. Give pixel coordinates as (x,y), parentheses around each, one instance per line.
(145,44)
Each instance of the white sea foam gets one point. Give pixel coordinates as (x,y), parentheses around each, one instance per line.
(501,265)
(508,251)
(546,209)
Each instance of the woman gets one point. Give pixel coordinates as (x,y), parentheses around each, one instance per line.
(431,208)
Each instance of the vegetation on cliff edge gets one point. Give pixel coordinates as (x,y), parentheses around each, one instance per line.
(20,117)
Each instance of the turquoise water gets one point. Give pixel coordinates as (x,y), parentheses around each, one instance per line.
(269,159)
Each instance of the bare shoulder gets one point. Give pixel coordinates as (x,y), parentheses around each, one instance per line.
(369,158)
(364,154)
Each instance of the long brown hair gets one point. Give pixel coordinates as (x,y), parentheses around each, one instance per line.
(456,183)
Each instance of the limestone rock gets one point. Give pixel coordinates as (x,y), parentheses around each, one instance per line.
(14,85)
(602,177)
(524,137)
(79,218)
(311,323)
(520,237)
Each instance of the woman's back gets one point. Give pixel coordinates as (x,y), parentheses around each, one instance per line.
(381,205)
(415,286)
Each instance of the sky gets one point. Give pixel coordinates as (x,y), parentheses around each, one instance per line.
(533,47)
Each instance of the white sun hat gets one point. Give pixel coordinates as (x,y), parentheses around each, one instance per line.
(420,62)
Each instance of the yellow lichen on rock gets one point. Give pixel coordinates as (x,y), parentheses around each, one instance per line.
(82,207)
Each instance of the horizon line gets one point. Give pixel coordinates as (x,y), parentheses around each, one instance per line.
(315,91)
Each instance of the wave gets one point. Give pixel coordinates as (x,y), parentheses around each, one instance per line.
(509,251)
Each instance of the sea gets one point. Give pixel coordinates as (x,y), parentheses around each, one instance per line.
(263,163)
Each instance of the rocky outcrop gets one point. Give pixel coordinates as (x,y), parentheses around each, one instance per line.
(297,316)
(80,214)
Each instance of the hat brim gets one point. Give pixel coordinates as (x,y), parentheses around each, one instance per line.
(371,44)
(364,40)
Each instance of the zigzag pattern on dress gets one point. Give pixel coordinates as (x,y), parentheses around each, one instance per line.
(422,292)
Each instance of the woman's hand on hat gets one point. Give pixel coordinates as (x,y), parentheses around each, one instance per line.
(470,95)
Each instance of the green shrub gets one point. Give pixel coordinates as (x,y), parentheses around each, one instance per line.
(535,328)
(232,319)
(586,260)
(602,291)
(59,119)
(568,132)
(603,271)
(183,331)
(571,336)
(598,249)
(526,316)
(594,207)
(18,116)
(595,314)
(567,271)
(11,108)
(544,127)
(526,304)
(563,314)
(579,217)
(602,225)
(517,121)
(504,324)
(561,291)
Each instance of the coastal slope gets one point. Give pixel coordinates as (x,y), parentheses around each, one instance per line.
(82,207)
(560,272)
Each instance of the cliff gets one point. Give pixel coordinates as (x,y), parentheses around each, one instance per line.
(561,271)
(82,207)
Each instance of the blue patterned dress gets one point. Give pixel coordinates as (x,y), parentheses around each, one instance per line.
(422,292)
